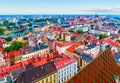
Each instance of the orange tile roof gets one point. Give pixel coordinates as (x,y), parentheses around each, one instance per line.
(72,48)
(41,62)
(30,60)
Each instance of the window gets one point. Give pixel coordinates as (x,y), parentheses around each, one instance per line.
(42,81)
(46,80)
(50,78)
(54,76)
(65,69)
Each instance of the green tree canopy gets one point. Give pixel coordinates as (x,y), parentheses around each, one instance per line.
(21,26)
(1,31)
(14,46)
(6,23)
(8,49)
(71,31)
(30,24)
(8,39)
(118,41)
(80,31)
(11,24)
(102,36)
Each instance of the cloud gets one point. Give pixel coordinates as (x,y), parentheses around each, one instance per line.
(104,10)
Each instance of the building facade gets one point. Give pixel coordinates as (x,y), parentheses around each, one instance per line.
(66,68)
(43,50)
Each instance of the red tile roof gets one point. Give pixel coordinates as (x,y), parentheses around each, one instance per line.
(65,60)
(16,66)
(49,56)
(72,48)
(114,29)
(111,42)
(62,44)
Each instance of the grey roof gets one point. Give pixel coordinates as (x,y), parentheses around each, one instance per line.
(36,73)
(39,47)
(17,72)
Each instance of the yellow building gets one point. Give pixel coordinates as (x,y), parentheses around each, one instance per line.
(2,61)
(52,78)
(20,39)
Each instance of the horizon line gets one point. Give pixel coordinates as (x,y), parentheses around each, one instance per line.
(62,14)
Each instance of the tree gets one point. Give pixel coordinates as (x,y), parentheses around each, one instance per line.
(118,41)
(14,46)
(30,24)
(8,39)
(102,36)
(1,31)
(27,32)
(71,31)
(8,49)
(6,23)
(17,45)
(21,26)
(11,24)
(1,25)
(119,31)
(80,31)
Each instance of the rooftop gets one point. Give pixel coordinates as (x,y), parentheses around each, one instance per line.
(17,72)
(62,44)
(111,42)
(72,48)
(39,47)
(90,46)
(63,61)
(86,56)
(36,73)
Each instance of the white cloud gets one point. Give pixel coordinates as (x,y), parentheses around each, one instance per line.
(104,10)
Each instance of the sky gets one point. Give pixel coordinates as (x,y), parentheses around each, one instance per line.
(59,6)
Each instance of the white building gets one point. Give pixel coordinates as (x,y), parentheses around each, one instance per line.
(93,50)
(66,68)
(61,46)
(114,45)
(100,31)
(113,30)
(37,51)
